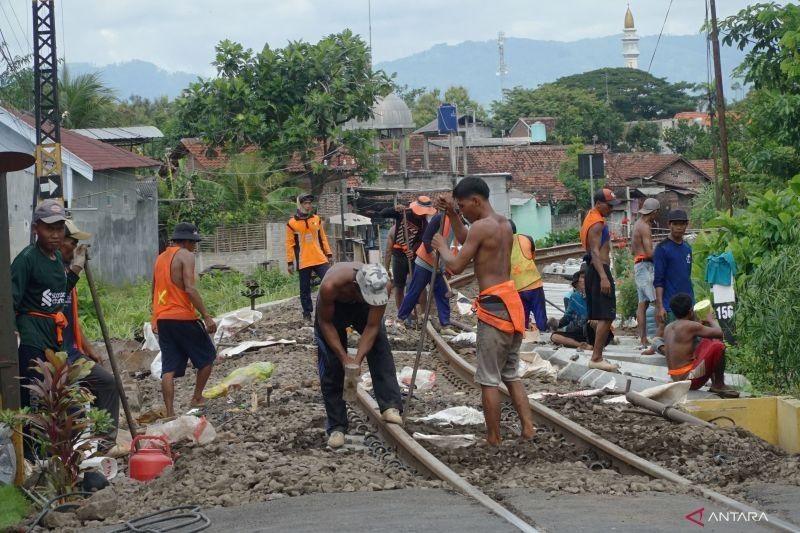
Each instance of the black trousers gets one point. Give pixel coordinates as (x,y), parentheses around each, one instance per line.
(305,285)
(331,372)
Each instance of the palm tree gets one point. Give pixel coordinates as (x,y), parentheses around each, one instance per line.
(84,100)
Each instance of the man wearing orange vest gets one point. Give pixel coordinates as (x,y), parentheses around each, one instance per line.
(423,271)
(307,248)
(499,308)
(527,279)
(601,299)
(181,336)
(99,381)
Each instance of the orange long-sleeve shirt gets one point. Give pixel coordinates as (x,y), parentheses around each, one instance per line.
(306,242)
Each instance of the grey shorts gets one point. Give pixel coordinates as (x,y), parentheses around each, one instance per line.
(643,275)
(498,356)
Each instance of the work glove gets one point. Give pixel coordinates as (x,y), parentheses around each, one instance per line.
(79,256)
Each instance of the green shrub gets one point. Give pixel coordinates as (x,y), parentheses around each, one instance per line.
(767,323)
(554,238)
(627,299)
(14,507)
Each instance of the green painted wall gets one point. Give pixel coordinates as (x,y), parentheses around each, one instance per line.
(532,219)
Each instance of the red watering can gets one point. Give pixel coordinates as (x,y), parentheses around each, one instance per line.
(148,463)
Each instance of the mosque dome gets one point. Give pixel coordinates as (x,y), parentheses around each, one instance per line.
(629,19)
(389,113)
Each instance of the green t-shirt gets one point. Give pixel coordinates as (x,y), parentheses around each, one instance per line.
(39,284)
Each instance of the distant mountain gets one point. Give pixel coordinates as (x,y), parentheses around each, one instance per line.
(531,62)
(138,77)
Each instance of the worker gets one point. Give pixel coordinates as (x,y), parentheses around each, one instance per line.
(410,224)
(499,309)
(423,271)
(354,295)
(99,381)
(307,249)
(39,287)
(693,348)
(575,330)
(181,336)
(527,279)
(601,299)
(643,270)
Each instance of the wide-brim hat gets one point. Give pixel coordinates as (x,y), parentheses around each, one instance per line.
(422,206)
(185,231)
(372,281)
(76,233)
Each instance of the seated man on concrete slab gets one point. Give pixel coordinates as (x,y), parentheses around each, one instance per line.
(693,348)
(575,330)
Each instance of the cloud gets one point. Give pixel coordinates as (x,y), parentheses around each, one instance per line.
(180,35)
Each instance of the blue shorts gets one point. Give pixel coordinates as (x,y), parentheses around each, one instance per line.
(533,301)
(182,340)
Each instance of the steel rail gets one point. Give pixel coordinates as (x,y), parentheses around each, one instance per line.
(417,456)
(624,460)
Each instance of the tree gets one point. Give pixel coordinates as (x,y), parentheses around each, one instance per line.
(83,100)
(424,104)
(578,112)
(633,93)
(641,137)
(568,175)
(290,101)
(16,84)
(689,139)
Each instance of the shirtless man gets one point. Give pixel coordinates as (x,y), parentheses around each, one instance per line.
(501,321)
(693,349)
(181,336)
(354,295)
(601,299)
(643,273)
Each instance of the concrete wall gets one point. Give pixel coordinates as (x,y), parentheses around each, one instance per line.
(124,224)
(20,199)
(532,219)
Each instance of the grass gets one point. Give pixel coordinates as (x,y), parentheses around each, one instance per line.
(127,307)
(14,507)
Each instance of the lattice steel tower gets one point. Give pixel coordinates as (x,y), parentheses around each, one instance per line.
(502,68)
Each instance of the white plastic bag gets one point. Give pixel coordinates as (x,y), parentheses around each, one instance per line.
(463,305)
(190,427)
(425,380)
(461,415)
(155,368)
(150,339)
(466,338)
(233,322)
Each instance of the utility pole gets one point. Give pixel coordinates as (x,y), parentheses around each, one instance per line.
(723,131)
(502,67)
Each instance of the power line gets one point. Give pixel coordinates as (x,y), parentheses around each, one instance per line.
(659,36)
(24,33)
(10,27)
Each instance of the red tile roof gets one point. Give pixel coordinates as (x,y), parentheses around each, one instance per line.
(215,158)
(692,116)
(533,168)
(99,155)
(623,167)
(706,165)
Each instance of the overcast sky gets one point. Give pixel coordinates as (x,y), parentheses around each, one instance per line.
(181,34)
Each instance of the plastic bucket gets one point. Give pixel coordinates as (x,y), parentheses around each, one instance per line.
(702,308)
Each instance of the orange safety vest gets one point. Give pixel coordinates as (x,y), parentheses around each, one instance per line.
(306,242)
(427,256)
(592,217)
(510,297)
(169,301)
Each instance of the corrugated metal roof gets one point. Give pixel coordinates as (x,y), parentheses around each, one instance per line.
(122,134)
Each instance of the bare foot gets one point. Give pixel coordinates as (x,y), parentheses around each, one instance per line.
(486,443)
(649,351)
(724,391)
(529,434)
(198,402)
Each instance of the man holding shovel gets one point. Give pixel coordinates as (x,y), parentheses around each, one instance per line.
(181,336)
(354,295)
(100,381)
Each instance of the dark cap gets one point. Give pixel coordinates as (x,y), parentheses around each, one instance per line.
(606,196)
(307,197)
(49,212)
(677,215)
(185,231)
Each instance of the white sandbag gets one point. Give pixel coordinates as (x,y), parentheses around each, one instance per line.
(150,339)
(155,368)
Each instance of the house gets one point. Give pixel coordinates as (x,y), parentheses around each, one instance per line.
(467,123)
(671,178)
(522,128)
(130,137)
(103,193)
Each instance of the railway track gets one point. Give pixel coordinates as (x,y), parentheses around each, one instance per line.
(603,453)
